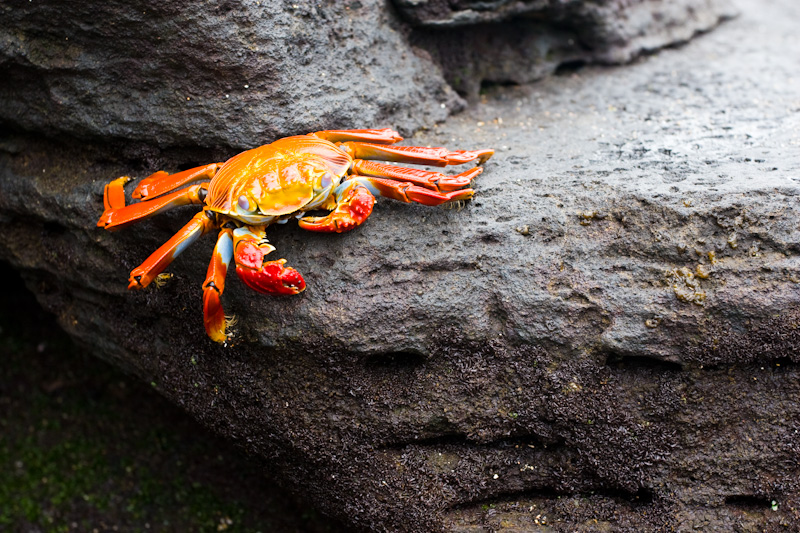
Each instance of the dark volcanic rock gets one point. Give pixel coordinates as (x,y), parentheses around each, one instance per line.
(606,337)
(538,37)
(237,74)
(607,20)
(211,74)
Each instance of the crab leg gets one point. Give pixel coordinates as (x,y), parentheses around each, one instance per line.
(382,136)
(142,275)
(420,155)
(117,217)
(408,192)
(213,314)
(114,193)
(162,182)
(250,246)
(430,180)
(353,205)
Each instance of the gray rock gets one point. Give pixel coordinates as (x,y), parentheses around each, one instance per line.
(232,74)
(605,337)
(608,20)
(539,37)
(237,74)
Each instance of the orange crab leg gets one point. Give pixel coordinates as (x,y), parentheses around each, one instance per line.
(353,205)
(440,157)
(142,275)
(250,247)
(382,136)
(408,192)
(114,193)
(117,217)
(162,182)
(213,314)
(430,180)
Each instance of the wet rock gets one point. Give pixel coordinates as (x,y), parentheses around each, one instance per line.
(605,337)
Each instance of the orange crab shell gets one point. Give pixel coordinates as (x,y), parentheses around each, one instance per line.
(278,178)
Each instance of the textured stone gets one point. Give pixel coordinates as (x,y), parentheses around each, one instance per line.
(238,73)
(536,38)
(607,336)
(211,74)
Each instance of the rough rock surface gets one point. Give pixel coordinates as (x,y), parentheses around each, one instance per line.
(235,74)
(607,337)
(211,74)
(539,37)
(607,19)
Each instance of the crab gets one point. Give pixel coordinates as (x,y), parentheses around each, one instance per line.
(336,170)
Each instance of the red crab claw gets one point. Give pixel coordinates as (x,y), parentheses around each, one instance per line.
(353,205)
(266,276)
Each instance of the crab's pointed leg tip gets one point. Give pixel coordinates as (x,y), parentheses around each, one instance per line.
(213,315)
(135,283)
(485,155)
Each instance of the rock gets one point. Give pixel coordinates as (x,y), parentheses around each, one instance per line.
(605,337)
(521,42)
(231,74)
(237,74)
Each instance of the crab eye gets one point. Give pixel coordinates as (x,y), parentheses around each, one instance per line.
(244,203)
(326,180)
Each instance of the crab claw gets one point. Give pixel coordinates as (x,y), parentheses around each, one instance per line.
(354,205)
(273,278)
(266,276)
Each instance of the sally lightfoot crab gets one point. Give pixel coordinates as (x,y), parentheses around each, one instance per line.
(336,170)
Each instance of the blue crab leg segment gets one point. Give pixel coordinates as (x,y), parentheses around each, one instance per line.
(382,136)
(142,275)
(435,181)
(117,218)
(353,205)
(408,192)
(420,155)
(161,182)
(268,277)
(213,314)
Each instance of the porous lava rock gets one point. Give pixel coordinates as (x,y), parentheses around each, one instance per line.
(605,337)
